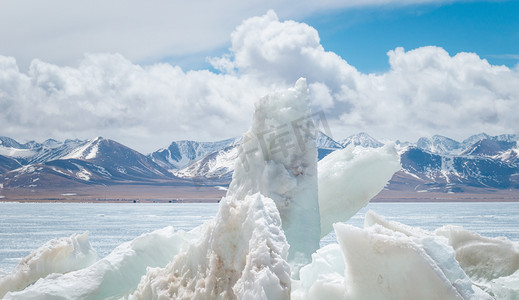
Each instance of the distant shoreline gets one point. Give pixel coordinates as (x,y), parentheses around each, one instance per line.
(217,201)
(213,194)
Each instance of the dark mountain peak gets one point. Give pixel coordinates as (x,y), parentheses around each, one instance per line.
(7,164)
(474,138)
(52,143)
(31,145)
(489,147)
(10,143)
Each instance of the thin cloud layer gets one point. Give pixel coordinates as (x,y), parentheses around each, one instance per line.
(426,91)
(61,31)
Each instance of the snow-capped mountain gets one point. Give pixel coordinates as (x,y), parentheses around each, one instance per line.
(118,160)
(474,138)
(449,173)
(325,142)
(6,142)
(509,156)
(97,161)
(434,169)
(439,144)
(181,154)
(432,164)
(33,152)
(361,139)
(489,147)
(11,148)
(325,145)
(218,165)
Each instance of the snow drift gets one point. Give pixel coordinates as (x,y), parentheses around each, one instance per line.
(264,241)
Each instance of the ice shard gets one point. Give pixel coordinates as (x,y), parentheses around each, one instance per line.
(278,158)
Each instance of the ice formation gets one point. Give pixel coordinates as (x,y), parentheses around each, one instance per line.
(263,242)
(243,253)
(349,178)
(384,264)
(278,158)
(116,275)
(56,256)
(240,254)
(492,264)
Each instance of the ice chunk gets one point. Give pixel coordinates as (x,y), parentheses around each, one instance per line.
(383,263)
(506,287)
(371,218)
(436,246)
(241,254)
(484,259)
(323,278)
(349,178)
(115,275)
(278,158)
(55,256)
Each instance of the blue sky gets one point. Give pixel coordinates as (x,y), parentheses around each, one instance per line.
(149,72)
(363,35)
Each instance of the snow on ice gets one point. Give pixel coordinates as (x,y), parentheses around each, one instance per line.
(264,241)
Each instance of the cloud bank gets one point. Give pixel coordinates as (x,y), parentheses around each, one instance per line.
(426,91)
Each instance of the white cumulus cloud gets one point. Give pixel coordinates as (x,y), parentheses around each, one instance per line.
(426,91)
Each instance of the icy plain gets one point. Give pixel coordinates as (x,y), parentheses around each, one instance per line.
(264,241)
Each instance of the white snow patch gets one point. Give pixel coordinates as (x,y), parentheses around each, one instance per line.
(17,153)
(59,171)
(411,174)
(83,175)
(93,152)
(87,151)
(212,166)
(25,170)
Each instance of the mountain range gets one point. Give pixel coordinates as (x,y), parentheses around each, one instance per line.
(432,164)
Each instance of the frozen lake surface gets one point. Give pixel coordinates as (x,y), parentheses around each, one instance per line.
(26,226)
